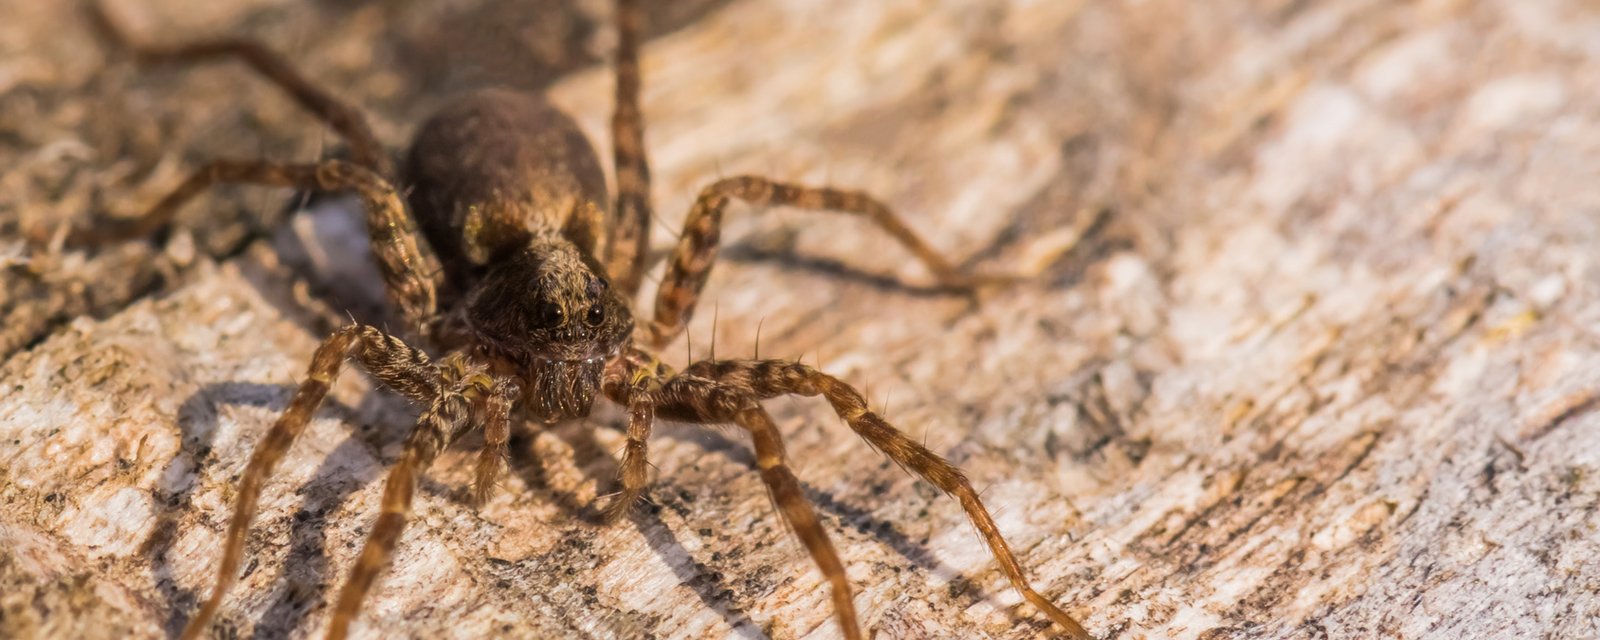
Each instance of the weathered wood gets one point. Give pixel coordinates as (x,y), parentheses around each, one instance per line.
(1317,361)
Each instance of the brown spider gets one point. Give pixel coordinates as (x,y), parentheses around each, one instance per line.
(521,275)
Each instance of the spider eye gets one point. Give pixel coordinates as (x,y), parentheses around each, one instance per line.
(548,314)
(595,315)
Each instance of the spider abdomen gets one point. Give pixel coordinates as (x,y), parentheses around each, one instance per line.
(495,168)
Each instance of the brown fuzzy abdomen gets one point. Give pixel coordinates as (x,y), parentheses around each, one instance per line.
(492,169)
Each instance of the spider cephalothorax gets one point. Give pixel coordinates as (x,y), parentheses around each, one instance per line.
(507,259)
(549,311)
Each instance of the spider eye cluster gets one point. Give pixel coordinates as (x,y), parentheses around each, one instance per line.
(596,313)
(549,314)
(537,308)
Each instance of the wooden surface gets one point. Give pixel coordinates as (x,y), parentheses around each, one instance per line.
(1319,362)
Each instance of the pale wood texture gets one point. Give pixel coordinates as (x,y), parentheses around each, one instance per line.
(1320,359)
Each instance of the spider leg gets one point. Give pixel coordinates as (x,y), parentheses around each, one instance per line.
(764,379)
(410,269)
(348,121)
(495,411)
(630,383)
(387,358)
(787,498)
(630,222)
(634,472)
(694,397)
(448,417)
(691,261)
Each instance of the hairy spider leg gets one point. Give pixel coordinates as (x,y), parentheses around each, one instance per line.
(695,398)
(495,409)
(784,488)
(448,417)
(410,267)
(735,384)
(411,273)
(402,368)
(630,223)
(630,381)
(696,252)
(343,118)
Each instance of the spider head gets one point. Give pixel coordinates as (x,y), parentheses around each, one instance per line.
(549,309)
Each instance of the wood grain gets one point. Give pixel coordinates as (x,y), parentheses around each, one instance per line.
(1317,359)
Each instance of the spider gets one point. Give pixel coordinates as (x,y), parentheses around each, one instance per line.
(504,256)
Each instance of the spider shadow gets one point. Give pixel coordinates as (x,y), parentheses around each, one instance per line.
(706,581)
(302,573)
(1095,243)
(739,453)
(535,475)
(714,592)
(600,467)
(885,532)
(754,252)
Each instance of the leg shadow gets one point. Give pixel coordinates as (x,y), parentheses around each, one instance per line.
(751,253)
(530,468)
(303,574)
(197,422)
(600,467)
(707,583)
(914,551)
(961,587)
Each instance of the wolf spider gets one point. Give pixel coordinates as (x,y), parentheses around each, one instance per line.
(503,256)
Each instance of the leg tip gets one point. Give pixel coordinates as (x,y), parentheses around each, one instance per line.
(618,508)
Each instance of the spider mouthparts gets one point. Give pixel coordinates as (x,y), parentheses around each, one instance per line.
(570,361)
(562,388)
